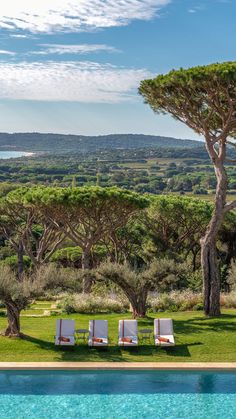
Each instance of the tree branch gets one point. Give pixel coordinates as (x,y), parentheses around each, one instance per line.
(230,206)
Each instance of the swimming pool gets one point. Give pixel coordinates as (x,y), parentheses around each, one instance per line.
(117,394)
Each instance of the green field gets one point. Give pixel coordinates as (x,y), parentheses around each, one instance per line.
(197,339)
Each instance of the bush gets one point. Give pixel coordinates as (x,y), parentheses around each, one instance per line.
(53,313)
(81,303)
(185,301)
(12,262)
(174,301)
(49,296)
(228,300)
(198,307)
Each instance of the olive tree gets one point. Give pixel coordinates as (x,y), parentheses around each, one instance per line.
(16,296)
(137,284)
(203,98)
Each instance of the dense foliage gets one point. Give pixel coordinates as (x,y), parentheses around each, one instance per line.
(59,143)
(93,238)
(153,170)
(203,98)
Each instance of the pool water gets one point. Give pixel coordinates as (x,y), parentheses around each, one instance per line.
(117,395)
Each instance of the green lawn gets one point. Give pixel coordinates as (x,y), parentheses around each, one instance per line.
(197,339)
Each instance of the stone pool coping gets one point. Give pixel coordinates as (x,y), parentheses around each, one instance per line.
(86,366)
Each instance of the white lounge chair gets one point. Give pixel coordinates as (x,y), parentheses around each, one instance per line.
(163,332)
(128,333)
(65,332)
(98,333)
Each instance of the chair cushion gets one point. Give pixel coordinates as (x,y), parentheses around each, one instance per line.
(170,342)
(130,341)
(97,341)
(65,340)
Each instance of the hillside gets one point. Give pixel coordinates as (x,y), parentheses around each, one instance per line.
(59,143)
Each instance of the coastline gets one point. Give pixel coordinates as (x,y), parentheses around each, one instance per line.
(15,154)
(28,154)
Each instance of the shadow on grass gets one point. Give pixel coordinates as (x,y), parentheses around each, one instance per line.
(180,350)
(43,344)
(82,353)
(225,322)
(197,324)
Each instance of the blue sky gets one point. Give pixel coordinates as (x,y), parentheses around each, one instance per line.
(74,66)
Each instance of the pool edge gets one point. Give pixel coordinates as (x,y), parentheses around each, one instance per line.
(83,366)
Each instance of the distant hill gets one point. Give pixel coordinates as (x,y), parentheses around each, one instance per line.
(59,143)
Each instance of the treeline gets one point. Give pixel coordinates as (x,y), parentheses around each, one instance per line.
(127,170)
(108,235)
(59,143)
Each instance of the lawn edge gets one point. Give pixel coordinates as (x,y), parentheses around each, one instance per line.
(81,366)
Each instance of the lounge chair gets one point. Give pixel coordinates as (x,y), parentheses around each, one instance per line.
(98,333)
(128,333)
(65,332)
(163,332)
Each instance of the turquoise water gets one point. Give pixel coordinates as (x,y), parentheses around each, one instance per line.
(12,154)
(117,395)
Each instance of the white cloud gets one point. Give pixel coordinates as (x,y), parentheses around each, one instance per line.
(18,36)
(61,49)
(4,52)
(74,15)
(69,81)
(196,9)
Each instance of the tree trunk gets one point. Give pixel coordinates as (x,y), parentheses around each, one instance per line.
(139,310)
(211,277)
(209,261)
(139,304)
(87,281)
(13,317)
(194,259)
(20,257)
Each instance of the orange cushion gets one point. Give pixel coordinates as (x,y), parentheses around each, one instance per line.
(99,340)
(128,340)
(163,339)
(63,339)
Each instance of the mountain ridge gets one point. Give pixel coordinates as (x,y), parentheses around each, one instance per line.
(52,142)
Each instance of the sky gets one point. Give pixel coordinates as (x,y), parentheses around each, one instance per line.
(74,66)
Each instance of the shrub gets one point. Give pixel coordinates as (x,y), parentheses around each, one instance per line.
(228,300)
(186,300)
(49,296)
(198,307)
(53,313)
(12,262)
(174,301)
(81,303)
(194,281)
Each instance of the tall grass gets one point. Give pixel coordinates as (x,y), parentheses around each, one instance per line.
(174,301)
(82,303)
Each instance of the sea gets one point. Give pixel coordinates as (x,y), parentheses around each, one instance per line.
(14,154)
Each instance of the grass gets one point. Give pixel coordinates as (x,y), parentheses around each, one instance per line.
(197,339)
